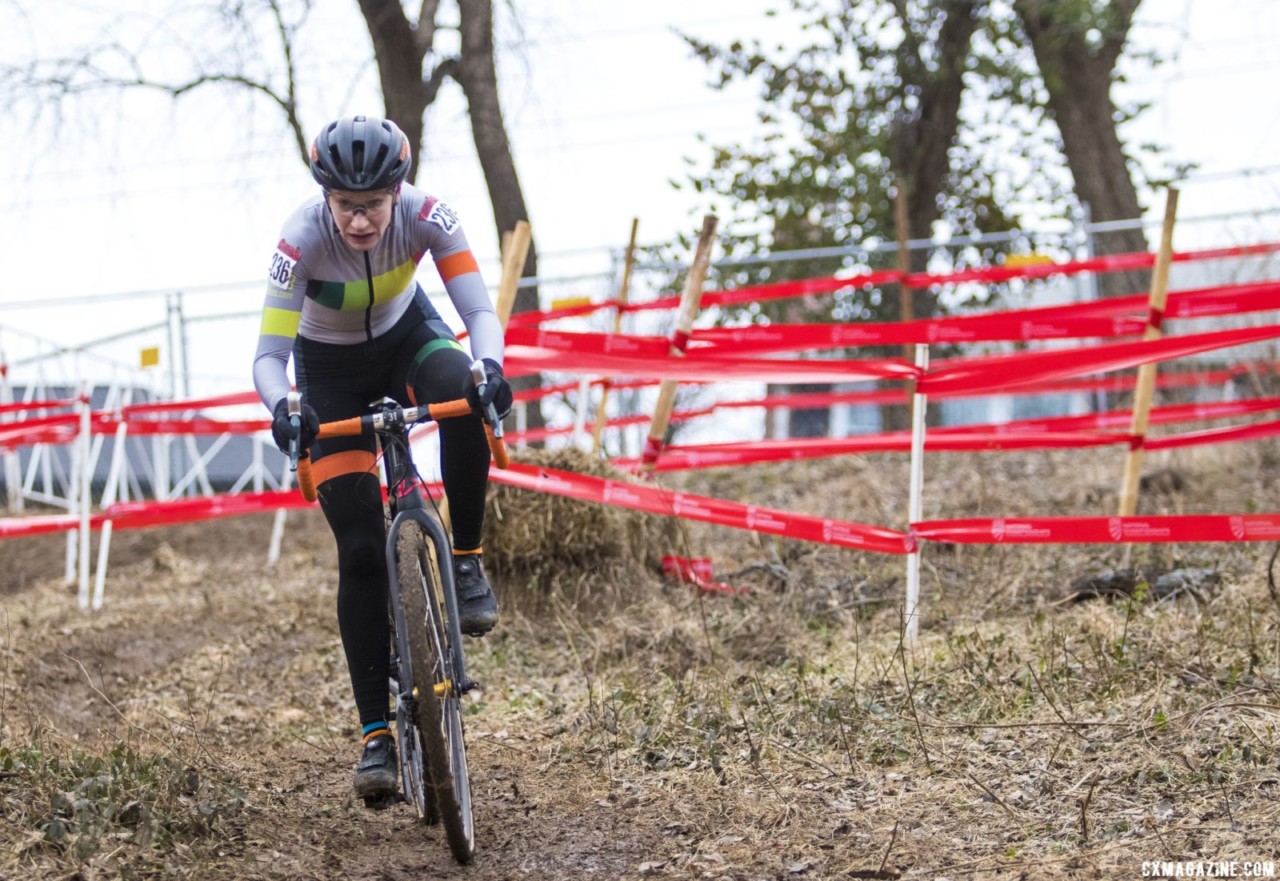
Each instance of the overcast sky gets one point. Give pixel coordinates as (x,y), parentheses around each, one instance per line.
(603,109)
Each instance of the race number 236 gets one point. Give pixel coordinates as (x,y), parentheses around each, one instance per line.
(281,272)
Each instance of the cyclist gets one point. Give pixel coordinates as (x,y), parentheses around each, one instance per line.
(342,299)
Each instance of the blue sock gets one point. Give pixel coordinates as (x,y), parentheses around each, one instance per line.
(374,729)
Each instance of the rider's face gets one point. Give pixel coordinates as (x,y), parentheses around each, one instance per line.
(362,218)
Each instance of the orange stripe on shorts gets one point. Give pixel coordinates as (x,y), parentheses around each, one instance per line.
(456,264)
(338,464)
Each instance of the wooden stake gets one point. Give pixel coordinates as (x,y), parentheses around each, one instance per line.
(689,302)
(515,251)
(1145,387)
(624,289)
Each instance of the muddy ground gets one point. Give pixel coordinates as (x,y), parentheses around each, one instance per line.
(201,725)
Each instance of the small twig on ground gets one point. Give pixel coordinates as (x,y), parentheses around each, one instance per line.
(572,645)
(119,712)
(844,741)
(1029,725)
(911,698)
(893,837)
(773,569)
(1057,748)
(764,695)
(1200,711)
(809,759)
(1247,727)
(1226,802)
(193,723)
(753,758)
(1084,810)
(990,794)
(1155,828)
(1271,577)
(4,681)
(1053,706)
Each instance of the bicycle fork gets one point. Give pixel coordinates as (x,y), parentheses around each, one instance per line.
(435,534)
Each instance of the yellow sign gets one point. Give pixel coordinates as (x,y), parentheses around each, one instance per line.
(150,356)
(569,303)
(1020,261)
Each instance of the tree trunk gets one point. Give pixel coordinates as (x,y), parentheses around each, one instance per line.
(478,77)
(401,49)
(922,138)
(1077,74)
(399,55)
(921,141)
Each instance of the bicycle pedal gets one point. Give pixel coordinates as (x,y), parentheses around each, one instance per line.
(382,802)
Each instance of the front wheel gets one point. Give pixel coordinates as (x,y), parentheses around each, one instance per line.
(437,690)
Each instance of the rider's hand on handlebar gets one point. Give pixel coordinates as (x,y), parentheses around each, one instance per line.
(283,431)
(496,391)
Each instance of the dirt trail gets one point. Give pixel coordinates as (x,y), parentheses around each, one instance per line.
(213,659)
(782,733)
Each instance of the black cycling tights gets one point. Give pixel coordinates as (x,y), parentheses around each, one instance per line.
(418,360)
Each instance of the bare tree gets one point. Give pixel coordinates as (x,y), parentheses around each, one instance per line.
(894,118)
(411,68)
(478,75)
(215,47)
(411,72)
(924,129)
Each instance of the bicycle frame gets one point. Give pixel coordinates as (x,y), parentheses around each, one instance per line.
(408,502)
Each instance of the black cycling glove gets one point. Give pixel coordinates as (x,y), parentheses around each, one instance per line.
(282,430)
(496,391)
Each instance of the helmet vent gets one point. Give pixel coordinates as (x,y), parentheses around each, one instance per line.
(360,154)
(335,156)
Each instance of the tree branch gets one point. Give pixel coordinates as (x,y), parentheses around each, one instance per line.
(444,70)
(424,34)
(290,105)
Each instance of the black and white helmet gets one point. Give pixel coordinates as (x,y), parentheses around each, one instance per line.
(360,153)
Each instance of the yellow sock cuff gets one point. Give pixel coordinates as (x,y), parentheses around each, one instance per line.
(458,553)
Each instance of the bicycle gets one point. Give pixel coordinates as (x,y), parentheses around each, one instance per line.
(428,667)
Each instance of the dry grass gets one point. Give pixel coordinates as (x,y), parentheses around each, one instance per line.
(545,549)
(654,731)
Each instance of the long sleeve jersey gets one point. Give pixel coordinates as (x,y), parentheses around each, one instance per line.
(322,288)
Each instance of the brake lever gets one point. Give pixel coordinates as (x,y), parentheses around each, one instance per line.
(478,376)
(295,419)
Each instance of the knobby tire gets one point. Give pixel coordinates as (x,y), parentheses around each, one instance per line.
(439,721)
(415,776)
